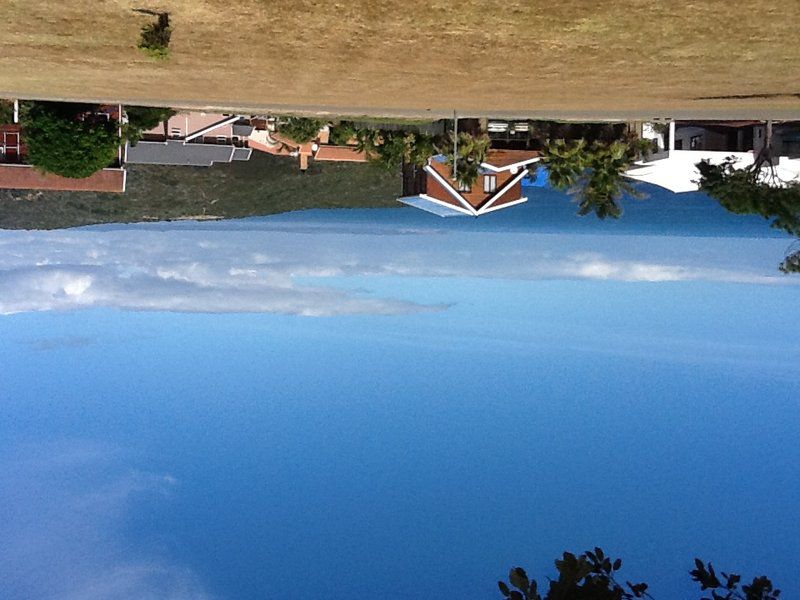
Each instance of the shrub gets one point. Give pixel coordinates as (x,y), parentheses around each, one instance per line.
(68,139)
(300,129)
(142,118)
(155,37)
(6,111)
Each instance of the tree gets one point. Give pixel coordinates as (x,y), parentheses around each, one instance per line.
(748,191)
(595,174)
(155,37)
(6,111)
(300,129)
(142,118)
(466,160)
(565,163)
(342,133)
(791,263)
(69,139)
(589,576)
(727,588)
(593,576)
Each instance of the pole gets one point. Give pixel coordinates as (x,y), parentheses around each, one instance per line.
(455,145)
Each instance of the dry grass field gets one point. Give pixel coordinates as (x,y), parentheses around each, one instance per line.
(391,56)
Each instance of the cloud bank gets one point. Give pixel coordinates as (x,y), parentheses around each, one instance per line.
(304,270)
(64,507)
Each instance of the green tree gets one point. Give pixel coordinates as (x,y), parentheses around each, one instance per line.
(69,139)
(300,129)
(594,174)
(6,112)
(593,576)
(342,133)
(791,263)
(565,163)
(142,118)
(367,141)
(470,153)
(155,37)
(748,192)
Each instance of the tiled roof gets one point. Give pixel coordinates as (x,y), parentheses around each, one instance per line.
(25,177)
(176,152)
(506,158)
(340,153)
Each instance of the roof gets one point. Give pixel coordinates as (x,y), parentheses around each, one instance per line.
(242,130)
(192,124)
(432,205)
(507,188)
(677,171)
(508,159)
(25,177)
(241,153)
(176,152)
(340,153)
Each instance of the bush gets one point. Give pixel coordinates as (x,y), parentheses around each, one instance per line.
(142,118)
(155,37)
(68,139)
(342,133)
(6,112)
(300,129)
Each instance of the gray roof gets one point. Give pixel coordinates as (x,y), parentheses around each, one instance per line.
(176,152)
(242,130)
(242,153)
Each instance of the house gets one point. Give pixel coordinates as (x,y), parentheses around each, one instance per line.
(196,139)
(16,173)
(673,166)
(499,185)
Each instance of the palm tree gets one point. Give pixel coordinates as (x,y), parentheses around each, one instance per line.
(565,163)
(367,141)
(595,174)
(472,151)
(604,181)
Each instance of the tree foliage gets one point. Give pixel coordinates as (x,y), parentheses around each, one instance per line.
(342,133)
(747,191)
(155,37)
(300,129)
(727,588)
(142,118)
(593,576)
(791,263)
(6,111)
(589,576)
(594,173)
(471,152)
(69,139)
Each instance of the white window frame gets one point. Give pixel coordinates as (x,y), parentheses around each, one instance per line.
(489,183)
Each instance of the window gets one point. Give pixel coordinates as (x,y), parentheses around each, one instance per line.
(489,183)
(175,132)
(463,187)
(221,139)
(696,142)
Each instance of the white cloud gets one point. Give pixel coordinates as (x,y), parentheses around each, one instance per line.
(301,268)
(65,506)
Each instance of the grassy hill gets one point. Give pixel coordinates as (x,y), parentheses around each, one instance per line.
(264,185)
(484,55)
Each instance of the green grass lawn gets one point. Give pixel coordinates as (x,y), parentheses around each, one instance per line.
(262,186)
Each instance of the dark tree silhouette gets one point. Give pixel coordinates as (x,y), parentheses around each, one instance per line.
(593,576)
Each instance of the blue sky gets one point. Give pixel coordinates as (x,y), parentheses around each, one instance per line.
(463,402)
